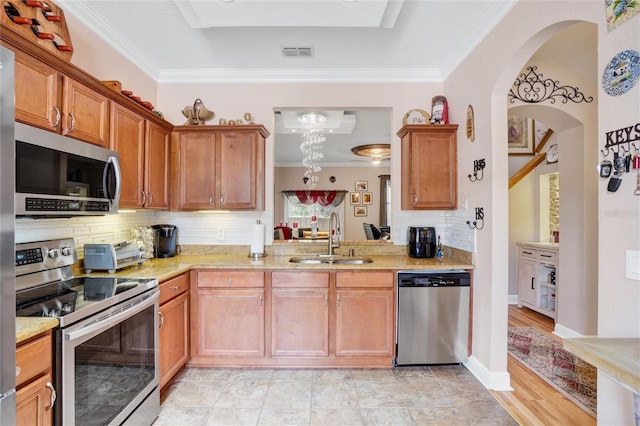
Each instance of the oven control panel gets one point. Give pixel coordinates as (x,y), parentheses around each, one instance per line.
(43,255)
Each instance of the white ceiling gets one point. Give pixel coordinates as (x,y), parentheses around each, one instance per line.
(242,40)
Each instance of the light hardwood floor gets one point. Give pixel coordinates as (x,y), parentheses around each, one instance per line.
(533,401)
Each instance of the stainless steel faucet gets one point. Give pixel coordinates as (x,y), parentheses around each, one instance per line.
(333,218)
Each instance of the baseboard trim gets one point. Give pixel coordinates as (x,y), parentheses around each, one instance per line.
(490,380)
(565,332)
(513,299)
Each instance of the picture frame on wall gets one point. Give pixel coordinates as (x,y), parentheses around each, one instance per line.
(367,198)
(520,135)
(362,185)
(355,198)
(360,211)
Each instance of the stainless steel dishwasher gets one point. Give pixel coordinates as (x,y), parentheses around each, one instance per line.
(433,317)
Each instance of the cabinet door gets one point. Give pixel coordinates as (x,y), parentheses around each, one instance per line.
(229,323)
(37,93)
(127,138)
(364,323)
(300,322)
(34,403)
(196,175)
(429,172)
(85,113)
(157,151)
(239,167)
(527,281)
(174,337)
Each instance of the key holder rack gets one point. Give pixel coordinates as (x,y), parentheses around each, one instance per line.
(479,222)
(478,169)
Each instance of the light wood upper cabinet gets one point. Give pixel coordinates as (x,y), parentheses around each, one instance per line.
(429,167)
(48,99)
(157,166)
(144,159)
(85,113)
(218,167)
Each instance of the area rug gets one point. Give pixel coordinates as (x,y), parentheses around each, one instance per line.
(570,375)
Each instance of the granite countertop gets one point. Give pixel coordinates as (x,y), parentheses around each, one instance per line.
(619,358)
(164,269)
(28,327)
(541,244)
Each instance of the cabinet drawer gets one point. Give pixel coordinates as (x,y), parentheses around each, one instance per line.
(230,279)
(33,359)
(173,287)
(528,252)
(547,256)
(300,279)
(379,279)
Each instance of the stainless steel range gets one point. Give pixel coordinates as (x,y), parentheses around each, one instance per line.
(106,356)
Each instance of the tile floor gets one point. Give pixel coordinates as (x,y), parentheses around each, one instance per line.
(444,395)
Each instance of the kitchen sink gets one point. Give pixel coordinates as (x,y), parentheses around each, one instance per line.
(337,259)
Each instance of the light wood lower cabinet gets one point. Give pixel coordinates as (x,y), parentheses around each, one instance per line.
(228,315)
(300,318)
(365,313)
(300,322)
(174,327)
(35,394)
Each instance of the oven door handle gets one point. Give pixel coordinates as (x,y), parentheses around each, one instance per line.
(111,320)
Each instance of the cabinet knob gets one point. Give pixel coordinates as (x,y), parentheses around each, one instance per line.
(260,300)
(211,199)
(338,300)
(326,300)
(174,287)
(143,198)
(149,198)
(221,199)
(415,199)
(229,280)
(161,319)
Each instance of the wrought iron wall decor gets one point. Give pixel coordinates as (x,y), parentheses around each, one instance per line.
(478,167)
(531,87)
(479,218)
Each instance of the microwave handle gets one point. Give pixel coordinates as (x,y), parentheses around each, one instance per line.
(113,161)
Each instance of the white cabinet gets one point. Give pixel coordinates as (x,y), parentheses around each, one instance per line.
(537,270)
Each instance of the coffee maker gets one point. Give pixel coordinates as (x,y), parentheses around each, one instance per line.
(421,241)
(165,240)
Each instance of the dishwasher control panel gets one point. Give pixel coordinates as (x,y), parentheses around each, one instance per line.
(434,278)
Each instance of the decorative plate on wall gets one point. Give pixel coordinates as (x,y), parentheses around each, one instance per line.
(621,73)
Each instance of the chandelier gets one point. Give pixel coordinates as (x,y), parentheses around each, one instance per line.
(311,145)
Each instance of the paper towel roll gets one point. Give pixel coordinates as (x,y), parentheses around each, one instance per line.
(257,239)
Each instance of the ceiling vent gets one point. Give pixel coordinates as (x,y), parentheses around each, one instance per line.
(300,52)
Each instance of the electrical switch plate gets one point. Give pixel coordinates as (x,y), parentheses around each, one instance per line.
(220,234)
(633,264)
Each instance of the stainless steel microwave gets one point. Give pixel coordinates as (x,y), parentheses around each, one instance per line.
(61,176)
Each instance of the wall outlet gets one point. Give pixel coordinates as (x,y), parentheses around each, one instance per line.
(633,265)
(220,236)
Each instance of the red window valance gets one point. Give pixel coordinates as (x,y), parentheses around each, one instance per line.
(324,198)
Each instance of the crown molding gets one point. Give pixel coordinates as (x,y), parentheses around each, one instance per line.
(336,75)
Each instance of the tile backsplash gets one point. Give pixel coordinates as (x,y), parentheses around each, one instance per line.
(220,228)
